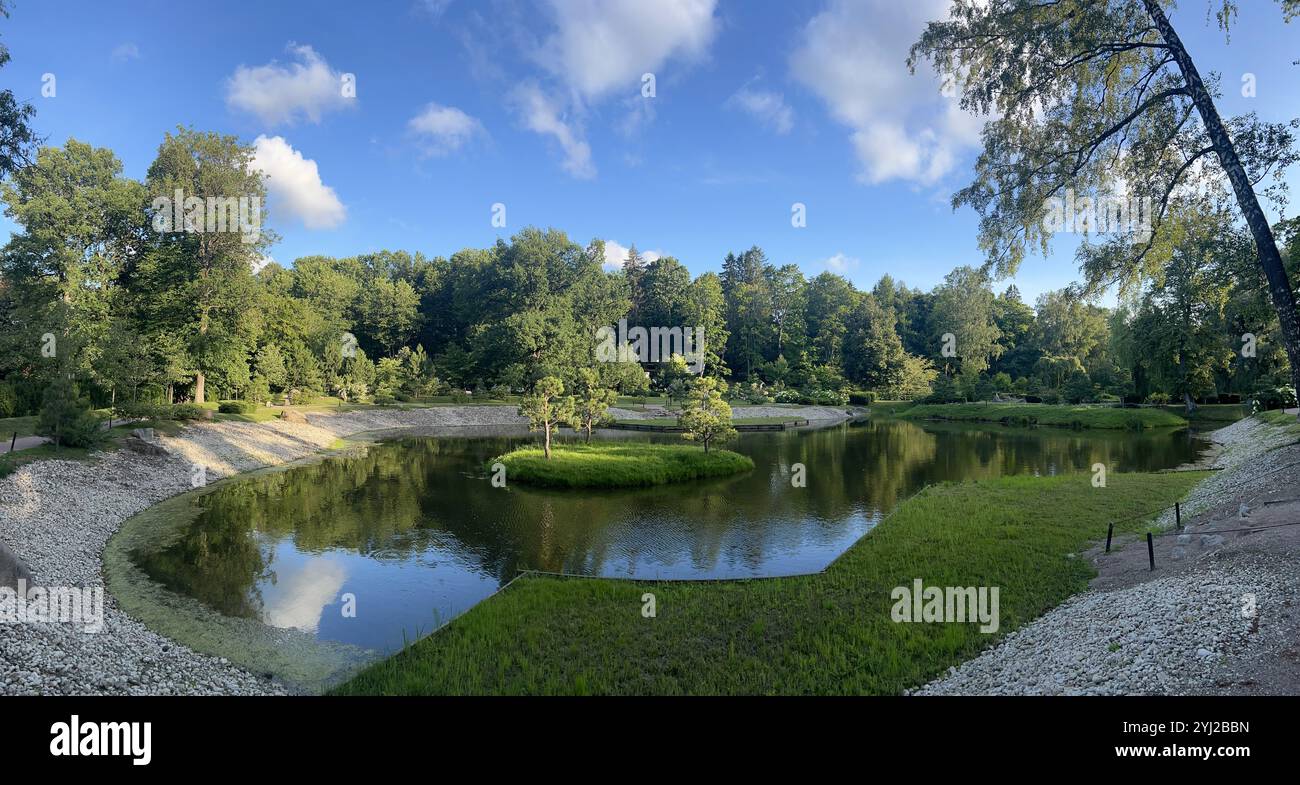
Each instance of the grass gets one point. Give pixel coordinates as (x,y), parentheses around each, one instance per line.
(1287,422)
(1217,414)
(829,633)
(1044,414)
(734,421)
(619,465)
(24,426)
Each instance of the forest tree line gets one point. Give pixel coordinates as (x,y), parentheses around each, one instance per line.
(92,293)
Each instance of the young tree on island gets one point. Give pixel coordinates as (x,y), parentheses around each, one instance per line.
(546,409)
(707,417)
(591,403)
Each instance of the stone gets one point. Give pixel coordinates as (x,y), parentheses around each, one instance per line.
(143,446)
(289,415)
(1211,540)
(144,433)
(12,569)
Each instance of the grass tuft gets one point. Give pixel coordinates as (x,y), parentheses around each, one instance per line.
(619,465)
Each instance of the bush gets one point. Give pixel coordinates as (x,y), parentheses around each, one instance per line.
(237,407)
(65,417)
(385,400)
(8,400)
(1158,398)
(403,397)
(1275,398)
(459,396)
(862,398)
(305,397)
(185,411)
(787,396)
(140,410)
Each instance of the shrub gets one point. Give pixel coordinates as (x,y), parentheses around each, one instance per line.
(1158,398)
(8,400)
(862,398)
(403,397)
(237,407)
(139,410)
(65,417)
(185,411)
(459,396)
(305,397)
(787,396)
(1275,398)
(384,400)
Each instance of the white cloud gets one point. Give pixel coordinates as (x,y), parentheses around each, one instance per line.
(261,264)
(283,93)
(435,8)
(125,51)
(542,114)
(769,107)
(604,45)
(294,184)
(298,597)
(840,263)
(616,254)
(444,129)
(853,56)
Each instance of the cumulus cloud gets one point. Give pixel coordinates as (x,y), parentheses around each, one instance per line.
(616,254)
(444,129)
(543,114)
(768,107)
(125,51)
(294,185)
(600,46)
(841,263)
(284,93)
(853,56)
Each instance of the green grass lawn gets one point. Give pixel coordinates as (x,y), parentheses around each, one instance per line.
(1212,414)
(24,426)
(830,633)
(1044,414)
(619,465)
(1282,419)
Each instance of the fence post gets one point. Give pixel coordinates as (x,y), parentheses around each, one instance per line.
(1178,515)
(1151,551)
(13,441)
(1110,532)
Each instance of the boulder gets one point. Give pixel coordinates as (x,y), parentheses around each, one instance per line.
(12,569)
(141,446)
(289,415)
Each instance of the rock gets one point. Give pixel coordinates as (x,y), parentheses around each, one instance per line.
(1211,540)
(289,415)
(144,433)
(1184,539)
(12,569)
(143,446)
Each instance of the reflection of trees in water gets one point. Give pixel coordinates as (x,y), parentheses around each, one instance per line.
(430,498)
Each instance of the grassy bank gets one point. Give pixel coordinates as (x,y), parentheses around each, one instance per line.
(619,465)
(1044,414)
(820,634)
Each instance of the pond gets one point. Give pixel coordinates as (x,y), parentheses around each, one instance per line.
(368,550)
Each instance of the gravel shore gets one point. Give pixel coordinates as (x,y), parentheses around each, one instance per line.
(1219,622)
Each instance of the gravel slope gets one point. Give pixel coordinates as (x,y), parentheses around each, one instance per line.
(1229,607)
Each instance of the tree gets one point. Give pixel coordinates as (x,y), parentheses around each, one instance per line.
(875,357)
(546,408)
(591,403)
(707,417)
(1096,96)
(65,417)
(964,309)
(200,270)
(16,136)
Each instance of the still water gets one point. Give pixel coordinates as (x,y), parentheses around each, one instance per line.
(411,532)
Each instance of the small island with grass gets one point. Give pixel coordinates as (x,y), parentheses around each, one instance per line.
(706,419)
(619,465)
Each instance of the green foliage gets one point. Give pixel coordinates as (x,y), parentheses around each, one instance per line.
(589,406)
(237,407)
(1041,414)
(706,417)
(66,418)
(618,465)
(546,408)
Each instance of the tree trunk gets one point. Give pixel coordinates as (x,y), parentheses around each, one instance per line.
(1189,402)
(1270,260)
(547,445)
(198,387)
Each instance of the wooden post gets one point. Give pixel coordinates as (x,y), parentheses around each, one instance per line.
(13,441)
(1178,515)
(1151,551)
(1110,532)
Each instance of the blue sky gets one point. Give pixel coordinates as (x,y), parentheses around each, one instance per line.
(537,105)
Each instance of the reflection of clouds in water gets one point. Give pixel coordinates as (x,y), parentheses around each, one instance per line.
(301,597)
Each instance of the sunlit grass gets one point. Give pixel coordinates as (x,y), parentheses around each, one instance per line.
(1045,414)
(829,633)
(608,465)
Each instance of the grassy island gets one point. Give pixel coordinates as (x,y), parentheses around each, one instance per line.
(619,465)
(1046,414)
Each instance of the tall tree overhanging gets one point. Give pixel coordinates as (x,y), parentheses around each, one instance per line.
(1101,96)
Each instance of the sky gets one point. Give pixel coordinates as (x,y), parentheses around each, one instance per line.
(541,106)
